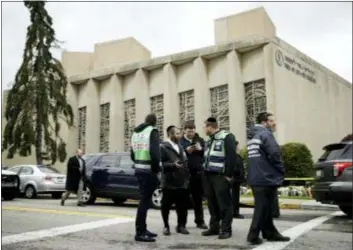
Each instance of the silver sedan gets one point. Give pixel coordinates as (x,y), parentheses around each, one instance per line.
(40,179)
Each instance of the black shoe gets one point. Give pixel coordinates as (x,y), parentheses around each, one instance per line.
(181,230)
(166,231)
(277,237)
(255,241)
(144,238)
(148,233)
(210,232)
(62,202)
(238,216)
(81,204)
(202,226)
(224,235)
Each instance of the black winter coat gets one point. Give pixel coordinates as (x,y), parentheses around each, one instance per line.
(73,175)
(173,177)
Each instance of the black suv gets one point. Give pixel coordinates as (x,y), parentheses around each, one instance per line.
(333,182)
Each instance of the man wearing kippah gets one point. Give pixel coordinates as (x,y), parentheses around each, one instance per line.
(219,163)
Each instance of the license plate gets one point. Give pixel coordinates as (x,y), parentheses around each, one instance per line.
(319,173)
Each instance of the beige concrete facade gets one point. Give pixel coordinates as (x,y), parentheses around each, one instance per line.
(312,104)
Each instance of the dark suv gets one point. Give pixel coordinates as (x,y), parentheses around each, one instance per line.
(111,175)
(333,182)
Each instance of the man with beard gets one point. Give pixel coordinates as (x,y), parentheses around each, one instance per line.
(175,180)
(265,174)
(193,145)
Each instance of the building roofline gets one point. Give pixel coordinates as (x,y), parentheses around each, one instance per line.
(206,52)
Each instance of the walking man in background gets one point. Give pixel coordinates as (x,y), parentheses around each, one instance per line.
(75,178)
(194,148)
(239,178)
(145,153)
(265,174)
(220,160)
(175,180)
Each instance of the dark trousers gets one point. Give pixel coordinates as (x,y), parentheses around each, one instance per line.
(262,220)
(236,197)
(196,191)
(217,190)
(148,182)
(275,204)
(179,198)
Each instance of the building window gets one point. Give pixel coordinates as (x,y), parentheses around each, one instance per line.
(220,106)
(186,106)
(255,100)
(129,122)
(158,109)
(82,114)
(104,127)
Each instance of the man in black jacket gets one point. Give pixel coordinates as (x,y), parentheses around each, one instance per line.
(194,145)
(145,153)
(220,161)
(238,180)
(75,178)
(265,174)
(175,180)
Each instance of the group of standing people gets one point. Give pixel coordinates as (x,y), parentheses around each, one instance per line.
(213,168)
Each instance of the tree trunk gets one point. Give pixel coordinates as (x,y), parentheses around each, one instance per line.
(39,134)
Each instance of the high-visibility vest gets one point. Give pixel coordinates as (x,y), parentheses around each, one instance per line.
(215,154)
(140,143)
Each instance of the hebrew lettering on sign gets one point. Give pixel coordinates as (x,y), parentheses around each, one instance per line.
(220,106)
(296,67)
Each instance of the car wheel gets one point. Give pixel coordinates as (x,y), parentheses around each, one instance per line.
(9,197)
(56,195)
(118,201)
(346,209)
(157,198)
(88,196)
(30,192)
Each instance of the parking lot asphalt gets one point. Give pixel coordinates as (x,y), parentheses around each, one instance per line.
(43,224)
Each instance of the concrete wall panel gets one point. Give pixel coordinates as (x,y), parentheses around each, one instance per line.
(156,82)
(185,77)
(253,65)
(129,86)
(217,72)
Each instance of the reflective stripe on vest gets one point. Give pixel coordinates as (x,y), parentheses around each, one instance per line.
(215,154)
(140,143)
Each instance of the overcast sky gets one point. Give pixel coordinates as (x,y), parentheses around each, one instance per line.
(321,30)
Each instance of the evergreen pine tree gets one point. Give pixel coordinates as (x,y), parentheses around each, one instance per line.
(37,101)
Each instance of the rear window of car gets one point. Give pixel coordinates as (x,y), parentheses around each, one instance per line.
(48,170)
(336,152)
(87,158)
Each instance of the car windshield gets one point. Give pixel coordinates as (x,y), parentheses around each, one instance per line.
(48,170)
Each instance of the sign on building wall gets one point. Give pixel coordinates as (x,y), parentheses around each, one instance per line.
(129,122)
(186,106)
(158,109)
(220,106)
(295,66)
(104,127)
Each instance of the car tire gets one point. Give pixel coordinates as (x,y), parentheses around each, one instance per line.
(157,198)
(346,209)
(88,196)
(30,192)
(118,201)
(56,195)
(9,197)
